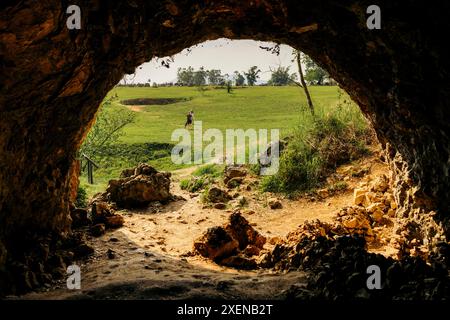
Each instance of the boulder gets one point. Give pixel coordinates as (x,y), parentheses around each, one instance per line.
(377,216)
(241,230)
(274,203)
(216,195)
(102,213)
(80,218)
(220,206)
(358,224)
(359,195)
(139,189)
(323,193)
(232,172)
(115,221)
(98,230)
(234,182)
(380,183)
(215,244)
(100,210)
(251,250)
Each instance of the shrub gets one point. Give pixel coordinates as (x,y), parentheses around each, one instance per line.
(338,186)
(315,152)
(194,184)
(212,170)
(81,201)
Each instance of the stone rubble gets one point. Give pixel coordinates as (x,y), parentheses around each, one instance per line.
(231,245)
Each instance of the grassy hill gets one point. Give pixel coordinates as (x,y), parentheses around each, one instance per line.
(149,137)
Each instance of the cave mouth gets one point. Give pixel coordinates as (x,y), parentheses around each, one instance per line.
(51,91)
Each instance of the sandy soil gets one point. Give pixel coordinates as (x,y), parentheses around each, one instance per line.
(136,108)
(149,251)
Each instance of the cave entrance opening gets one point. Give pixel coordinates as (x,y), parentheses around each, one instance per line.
(241,86)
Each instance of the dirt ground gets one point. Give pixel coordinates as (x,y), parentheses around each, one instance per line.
(147,258)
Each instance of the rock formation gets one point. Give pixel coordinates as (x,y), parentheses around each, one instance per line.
(139,187)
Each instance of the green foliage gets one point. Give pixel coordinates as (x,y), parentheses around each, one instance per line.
(338,186)
(148,138)
(313,73)
(107,129)
(195,184)
(215,77)
(200,77)
(252,75)
(314,152)
(212,170)
(239,79)
(185,76)
(281,77)
(129,155)
(82,197)
(202,177)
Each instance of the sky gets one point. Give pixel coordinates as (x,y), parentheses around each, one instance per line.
(224,54)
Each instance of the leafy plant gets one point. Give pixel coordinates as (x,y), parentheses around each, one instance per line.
(81,201)
(212,170)
(107,129)
(313,153)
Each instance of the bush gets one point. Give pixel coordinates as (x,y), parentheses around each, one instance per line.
(313,153)
(81,201)
(194,184)
(212,170)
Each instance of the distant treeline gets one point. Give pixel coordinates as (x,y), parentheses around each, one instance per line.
(280,76)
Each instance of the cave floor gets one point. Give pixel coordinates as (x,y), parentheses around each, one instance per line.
(150,259)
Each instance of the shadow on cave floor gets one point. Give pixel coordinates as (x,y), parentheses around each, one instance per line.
(139,273)
(147,258)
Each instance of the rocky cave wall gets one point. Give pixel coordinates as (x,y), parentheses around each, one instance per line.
(53,80)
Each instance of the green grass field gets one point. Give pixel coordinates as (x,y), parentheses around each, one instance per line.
(283,108)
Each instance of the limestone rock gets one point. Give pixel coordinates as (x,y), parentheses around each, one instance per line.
(216,195)
(141,188)
(377,216)
(323,193)
(232,172)
(274,203)
(220,206)
(80,218)
(115,221)
(216,243)
(241,230)
(234,182)
(380,184)
(359,196)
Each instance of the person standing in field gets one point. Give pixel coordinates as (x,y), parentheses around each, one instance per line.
(189,118)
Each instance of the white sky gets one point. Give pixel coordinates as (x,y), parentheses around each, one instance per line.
(224,54)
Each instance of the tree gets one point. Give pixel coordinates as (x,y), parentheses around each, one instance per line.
(313,73)
(185,77)
(107,128)
(298,58)
(214,77)
(239,79)
(281,77)
(200,77)
(252,75)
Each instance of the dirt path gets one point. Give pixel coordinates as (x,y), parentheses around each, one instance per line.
(146,256)
(136,108)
